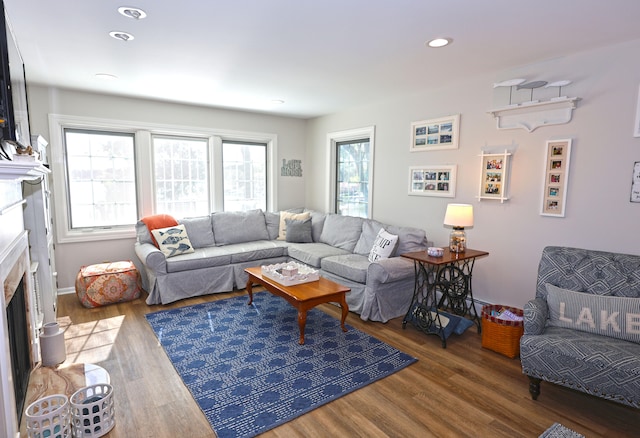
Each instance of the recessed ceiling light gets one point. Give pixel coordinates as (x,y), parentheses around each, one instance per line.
(135,13)
(106,76)
(122,36)
(439,42)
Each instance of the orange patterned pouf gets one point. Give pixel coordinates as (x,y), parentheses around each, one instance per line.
(108,283)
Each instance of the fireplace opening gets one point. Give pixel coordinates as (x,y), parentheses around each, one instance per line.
(19,345)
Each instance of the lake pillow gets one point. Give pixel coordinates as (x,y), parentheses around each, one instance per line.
(616,317)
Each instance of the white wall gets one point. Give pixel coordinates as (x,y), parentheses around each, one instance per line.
(43,101)
(598,213)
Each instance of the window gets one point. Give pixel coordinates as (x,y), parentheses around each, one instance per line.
(352,196)
(245,176)
(101,179)
(107,174)
(352,174)
(181,175)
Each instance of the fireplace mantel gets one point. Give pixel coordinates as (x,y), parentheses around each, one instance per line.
(21,170)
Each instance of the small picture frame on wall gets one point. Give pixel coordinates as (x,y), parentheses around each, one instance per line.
(435,134)
(494,176)
(635,183)
(437,180)
(556,177)
(636,127)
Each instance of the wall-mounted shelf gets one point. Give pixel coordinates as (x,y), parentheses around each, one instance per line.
(532,115)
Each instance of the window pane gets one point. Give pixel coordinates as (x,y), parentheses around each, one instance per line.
(101,178)
(181,178)
(352,197)
(245,176)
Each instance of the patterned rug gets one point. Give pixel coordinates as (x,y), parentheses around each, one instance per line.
(245,368)
(557,430)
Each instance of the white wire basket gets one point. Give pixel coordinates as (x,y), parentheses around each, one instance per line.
(49,417)
(92,411)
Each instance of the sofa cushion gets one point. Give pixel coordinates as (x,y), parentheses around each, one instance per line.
(258,250)
(273,224)
(199,230)
(208,257)
(317,223)
(341,231)
(239,226)
(573,349)
(384,246)
(616,317)
(298,230)
(370,230)
(409,239)
(312,253)
(173,241)
(284,215)
(350,266)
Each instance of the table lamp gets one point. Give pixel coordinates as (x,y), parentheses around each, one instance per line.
(458,216)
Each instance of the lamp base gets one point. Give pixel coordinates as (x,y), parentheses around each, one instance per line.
(457,240)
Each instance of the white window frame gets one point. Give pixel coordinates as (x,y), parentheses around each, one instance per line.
(145,168)
(333,138)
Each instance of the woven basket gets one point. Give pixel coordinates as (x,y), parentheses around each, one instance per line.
(499,335)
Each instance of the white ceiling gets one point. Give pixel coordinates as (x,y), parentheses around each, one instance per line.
(318,56)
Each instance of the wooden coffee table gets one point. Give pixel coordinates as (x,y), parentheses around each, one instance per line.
(302,296)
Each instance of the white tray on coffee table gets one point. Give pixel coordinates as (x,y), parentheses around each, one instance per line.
(305,274)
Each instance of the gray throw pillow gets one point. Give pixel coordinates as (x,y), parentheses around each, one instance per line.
(299,231)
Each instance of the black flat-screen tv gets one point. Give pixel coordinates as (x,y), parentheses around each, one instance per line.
(15,107)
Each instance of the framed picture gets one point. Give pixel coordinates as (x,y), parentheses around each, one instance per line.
(635,182)
(556,177)
(636,127)
(433,181)
(435,134)
(494,174)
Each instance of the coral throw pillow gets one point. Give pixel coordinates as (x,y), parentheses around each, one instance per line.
(158,221)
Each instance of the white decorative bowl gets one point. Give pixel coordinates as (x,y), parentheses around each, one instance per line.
(435,251)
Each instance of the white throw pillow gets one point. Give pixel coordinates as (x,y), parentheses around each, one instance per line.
(383,246)
(284,215)
(173,241)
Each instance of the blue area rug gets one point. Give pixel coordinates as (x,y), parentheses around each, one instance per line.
(245,368)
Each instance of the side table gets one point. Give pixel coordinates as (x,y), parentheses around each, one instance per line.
(451,276)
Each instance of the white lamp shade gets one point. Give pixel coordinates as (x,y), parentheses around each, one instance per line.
(459,215)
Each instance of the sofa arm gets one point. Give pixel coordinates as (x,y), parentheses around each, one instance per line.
(536,313)
(151,257)
(390,270)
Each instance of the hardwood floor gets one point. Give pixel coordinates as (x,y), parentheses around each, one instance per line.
(463,390)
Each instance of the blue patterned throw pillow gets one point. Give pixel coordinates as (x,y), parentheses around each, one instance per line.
(616,317)
(173,241)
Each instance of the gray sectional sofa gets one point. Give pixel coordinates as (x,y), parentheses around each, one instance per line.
(583,328)
(225,243)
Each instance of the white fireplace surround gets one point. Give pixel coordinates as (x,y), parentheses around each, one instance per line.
(14,265)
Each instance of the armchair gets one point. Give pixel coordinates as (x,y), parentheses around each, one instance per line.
(582,330)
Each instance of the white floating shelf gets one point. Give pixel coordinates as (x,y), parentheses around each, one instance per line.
(532,115)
